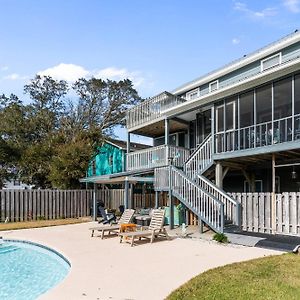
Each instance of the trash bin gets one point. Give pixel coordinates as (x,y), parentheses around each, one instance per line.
(178,215)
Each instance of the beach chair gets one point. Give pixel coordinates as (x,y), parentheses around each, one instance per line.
(125,219)
(155,229)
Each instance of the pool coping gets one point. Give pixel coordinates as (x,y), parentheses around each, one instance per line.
(41,246)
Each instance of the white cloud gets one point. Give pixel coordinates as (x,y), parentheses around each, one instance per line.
(14,76)
(119,74)
(4,68)
(292,5)
(259,15)
(71,72)
(235,41)
(68,72)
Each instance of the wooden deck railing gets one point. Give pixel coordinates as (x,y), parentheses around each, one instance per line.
(156,157)
(259,135)
(151,109)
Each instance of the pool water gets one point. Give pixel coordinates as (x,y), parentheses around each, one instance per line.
(28,270)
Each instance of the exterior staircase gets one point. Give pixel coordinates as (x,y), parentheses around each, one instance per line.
(211,204)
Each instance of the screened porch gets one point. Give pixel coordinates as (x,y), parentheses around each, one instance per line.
(264,116)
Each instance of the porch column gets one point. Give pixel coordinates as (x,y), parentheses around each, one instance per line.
(126,193)
(200,224)
(219,175)
(167,129)
(171,202)
(128,142)
(127,150)
(95,203)
(213,129)
(156,199)
(273,195)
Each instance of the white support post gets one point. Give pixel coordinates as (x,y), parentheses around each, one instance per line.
(273,195)
(219,175)
(126,193)
(94,203)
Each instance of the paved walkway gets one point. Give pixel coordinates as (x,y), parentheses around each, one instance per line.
(106,269)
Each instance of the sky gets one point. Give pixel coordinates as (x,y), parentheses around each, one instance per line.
(158,44)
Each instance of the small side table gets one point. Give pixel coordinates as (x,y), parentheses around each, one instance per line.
(128,227)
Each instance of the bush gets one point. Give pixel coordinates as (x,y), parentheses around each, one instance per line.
(220,238)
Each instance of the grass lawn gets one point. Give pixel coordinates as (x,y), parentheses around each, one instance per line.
(275,277)
(41,223)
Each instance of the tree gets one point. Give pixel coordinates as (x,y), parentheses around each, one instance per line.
(101,106)
(49,142)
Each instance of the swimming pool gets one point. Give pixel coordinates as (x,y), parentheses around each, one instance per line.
(28,270)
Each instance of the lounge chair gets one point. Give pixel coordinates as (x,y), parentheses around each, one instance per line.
(155,229)
(125,219)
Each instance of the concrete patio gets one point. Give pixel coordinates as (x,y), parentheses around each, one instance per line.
(106,269)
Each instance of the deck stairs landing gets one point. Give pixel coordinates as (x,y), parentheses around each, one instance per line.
(211,204)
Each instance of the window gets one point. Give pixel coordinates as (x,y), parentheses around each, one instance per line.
(111,160)
(213,86)
(270,62)
(297,94)
(220,119)
(230,115)
(258,186)
(283,98)
(246,109)
(94,167)
(192,94)
(17,182)
(264,104)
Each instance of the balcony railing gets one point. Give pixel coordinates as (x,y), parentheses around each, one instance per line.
(151,109)
(263,134)
(156,157)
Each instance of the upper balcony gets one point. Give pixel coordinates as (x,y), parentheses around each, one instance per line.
(151,110)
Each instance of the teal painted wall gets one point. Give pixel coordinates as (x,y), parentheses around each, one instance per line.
(108,160)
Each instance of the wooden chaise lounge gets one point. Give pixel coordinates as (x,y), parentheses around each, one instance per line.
(155,229)
(125,219)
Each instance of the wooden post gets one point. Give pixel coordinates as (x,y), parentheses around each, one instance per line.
(273,195)
(126,193)
(156,199)
(200,224)
(94,203)
(219,175)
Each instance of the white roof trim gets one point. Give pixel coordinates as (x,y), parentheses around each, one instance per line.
(215,95)
(274,47)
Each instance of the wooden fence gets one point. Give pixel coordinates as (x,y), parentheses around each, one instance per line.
(24,205)
(256,210)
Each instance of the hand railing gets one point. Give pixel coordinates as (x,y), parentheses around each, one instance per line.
(232,209)
(260,135)
(151,109)
(209,209)
(200,160)
(154,157)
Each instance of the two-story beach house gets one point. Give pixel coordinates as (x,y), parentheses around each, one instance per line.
(236,129)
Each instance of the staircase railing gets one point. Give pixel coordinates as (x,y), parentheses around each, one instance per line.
(206,206)
(200,160)
(232,208)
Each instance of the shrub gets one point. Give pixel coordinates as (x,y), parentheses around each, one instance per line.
(220,238)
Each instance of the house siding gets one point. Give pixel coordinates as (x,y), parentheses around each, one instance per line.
(288,54)
(108,160)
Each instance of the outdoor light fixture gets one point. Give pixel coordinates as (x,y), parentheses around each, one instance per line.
(294,174)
